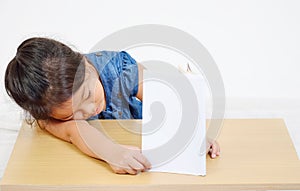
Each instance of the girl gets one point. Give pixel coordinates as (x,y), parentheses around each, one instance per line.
(61,89)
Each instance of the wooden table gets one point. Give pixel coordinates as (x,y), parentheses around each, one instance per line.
(255,155)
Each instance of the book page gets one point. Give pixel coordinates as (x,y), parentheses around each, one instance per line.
(174,126)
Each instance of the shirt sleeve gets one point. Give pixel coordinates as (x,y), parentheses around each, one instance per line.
(128,83)
(129,74)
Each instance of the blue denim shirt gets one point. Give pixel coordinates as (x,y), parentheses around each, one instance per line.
(118,72)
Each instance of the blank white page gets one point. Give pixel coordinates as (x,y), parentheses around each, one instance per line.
(163,109)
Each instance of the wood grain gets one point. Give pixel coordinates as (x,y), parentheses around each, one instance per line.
(256,154)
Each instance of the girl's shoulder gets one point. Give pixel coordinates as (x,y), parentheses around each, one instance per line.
(111,60)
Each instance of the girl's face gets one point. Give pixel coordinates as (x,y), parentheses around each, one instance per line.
(89,99)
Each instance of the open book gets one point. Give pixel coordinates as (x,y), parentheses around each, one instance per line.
(174,125)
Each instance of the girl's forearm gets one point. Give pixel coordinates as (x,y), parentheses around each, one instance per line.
(80,133)
(88,137)
(95,144)
(77,140)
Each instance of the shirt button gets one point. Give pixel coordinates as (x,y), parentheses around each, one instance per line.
(119,95)
(98,54)
(120,113)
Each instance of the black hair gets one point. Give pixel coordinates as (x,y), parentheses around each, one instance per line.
(42,75)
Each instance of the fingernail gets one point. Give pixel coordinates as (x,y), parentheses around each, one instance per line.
(213,155)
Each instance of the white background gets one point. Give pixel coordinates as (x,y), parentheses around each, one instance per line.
(255,43)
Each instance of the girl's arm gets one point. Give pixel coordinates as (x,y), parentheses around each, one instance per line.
(95,144)
(66,131)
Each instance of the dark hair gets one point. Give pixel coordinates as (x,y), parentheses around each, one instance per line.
(42,75)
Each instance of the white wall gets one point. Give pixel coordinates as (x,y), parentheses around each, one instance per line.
(255,43)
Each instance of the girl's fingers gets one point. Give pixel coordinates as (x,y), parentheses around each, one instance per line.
(123,170)
(137,166)
(214,150)
(118,170)
(139,156)
(143,160)
(130,171)
(219,151)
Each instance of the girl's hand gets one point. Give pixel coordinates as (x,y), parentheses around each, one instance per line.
(129,159)
(94,143)
(213,148)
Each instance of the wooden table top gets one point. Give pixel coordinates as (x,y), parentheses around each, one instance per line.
(256,154)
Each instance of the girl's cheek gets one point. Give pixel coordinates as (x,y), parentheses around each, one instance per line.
(78,115)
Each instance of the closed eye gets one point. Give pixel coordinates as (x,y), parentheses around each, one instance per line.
(88,95)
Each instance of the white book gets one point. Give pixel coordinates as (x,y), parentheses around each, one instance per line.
(174,124)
